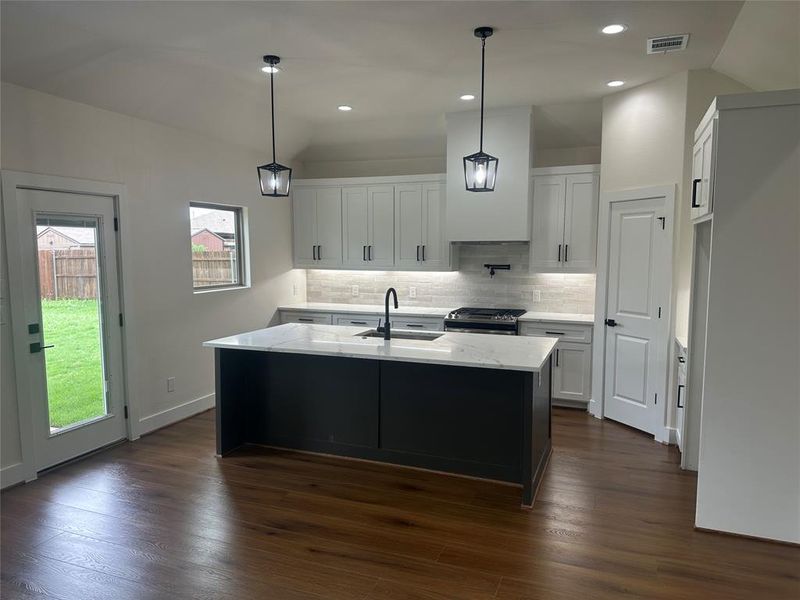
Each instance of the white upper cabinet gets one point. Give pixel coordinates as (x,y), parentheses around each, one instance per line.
(317,226)
(371,223)
(368,226)
(703,163)
(564,218)
(419,217)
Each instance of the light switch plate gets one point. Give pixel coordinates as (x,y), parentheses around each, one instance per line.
(354,290)
(537,295)
(170,384)
(412,292)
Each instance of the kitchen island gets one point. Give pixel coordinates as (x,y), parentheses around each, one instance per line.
(462,403)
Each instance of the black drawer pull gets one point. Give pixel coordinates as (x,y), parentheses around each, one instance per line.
(559,253)
(555,333)
(417,325)
(694,192)
(556,356)
(566,253)
(680,388)
(358,322)
(305,320)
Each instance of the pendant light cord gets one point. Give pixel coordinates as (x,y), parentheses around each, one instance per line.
(272,109)
(483,67)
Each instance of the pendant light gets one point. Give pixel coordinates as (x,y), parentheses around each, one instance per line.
(275,178)
(480,169)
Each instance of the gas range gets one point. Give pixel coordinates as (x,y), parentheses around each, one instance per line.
(484,320)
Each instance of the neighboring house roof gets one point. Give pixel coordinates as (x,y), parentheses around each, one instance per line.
(194,233)
(81,236)
(216,221)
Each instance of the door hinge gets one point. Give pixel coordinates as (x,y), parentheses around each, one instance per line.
(659,312)
(656,397)
(125,410)
(120,319)
(116,224)
(663,222)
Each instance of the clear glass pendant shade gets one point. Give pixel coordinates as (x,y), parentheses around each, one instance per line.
(275,179)
(480,172)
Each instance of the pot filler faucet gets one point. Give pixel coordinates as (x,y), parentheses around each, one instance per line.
(387,327)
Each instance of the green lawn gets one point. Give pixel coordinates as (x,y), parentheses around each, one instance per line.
(74,366)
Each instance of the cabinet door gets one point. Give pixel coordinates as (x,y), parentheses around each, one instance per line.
(380,251)
(580,222)
(329,226)
(572,371)
(355,220)
(702,184)
(304,225)
(434,251)
(547,231)
(408,225)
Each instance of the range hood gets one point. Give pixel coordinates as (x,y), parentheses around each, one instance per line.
(504,214)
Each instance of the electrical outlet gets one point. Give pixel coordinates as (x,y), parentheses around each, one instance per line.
(537,295)
(354,289)
(170,384)
(412,292)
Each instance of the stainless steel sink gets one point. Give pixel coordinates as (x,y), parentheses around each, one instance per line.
(403,335)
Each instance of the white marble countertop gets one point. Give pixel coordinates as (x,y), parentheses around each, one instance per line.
(428,311)
(553,317)
(367,309)
(514,353)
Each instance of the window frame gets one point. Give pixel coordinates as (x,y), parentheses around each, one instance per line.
(242,244)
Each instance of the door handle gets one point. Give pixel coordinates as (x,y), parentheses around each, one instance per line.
(680,387)
(559,253)
(566,253)
(694,192)
(37,347)
(611,322)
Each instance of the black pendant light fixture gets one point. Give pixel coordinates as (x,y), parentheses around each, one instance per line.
(275,178)
(480,169)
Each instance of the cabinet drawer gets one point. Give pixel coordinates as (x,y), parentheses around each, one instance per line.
(356,320)
(425,323)
(306,317)
(565,333)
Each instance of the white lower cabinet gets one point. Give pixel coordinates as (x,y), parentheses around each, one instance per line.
(571,380)
(356,320)
(306,317)
(427,324)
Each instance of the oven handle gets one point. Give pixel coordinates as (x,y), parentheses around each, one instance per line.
(492,331)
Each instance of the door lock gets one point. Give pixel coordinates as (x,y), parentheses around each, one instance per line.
(611,322)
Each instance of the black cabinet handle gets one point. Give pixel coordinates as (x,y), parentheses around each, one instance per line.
(611,322)
(423,253)
(363,253)
(417,325)
(566,253)
(358,322)
(554,332)
(319,252)
(369,252)
(559,253)
(680,388)
(305,320)
(417,253)
(694,192)
(556,356)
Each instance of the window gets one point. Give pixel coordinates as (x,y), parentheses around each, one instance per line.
(217,247)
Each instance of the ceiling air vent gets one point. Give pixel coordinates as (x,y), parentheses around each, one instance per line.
(667,43)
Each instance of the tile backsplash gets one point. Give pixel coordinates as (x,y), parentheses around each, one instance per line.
(469,286)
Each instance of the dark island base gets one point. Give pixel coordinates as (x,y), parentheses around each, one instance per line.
(484,423)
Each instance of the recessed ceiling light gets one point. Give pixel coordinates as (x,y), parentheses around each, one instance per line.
(467,97)
(270,69)
(614,29)
(344,107)
(615,83)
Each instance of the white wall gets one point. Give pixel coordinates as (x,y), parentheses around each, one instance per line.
(749,472)
(564,157)
(763,46)
(163,169)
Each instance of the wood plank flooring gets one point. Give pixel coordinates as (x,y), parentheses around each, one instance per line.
(163,518)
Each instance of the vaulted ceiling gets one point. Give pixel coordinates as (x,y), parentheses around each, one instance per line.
(401,65)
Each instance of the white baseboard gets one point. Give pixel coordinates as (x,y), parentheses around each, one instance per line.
(175,414)
(570,403)
(12,475)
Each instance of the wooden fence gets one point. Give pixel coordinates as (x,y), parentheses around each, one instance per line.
(218,267)
(72,272)
(68,273)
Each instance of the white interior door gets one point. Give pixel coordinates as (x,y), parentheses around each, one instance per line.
(547,231)
(72,313)
(636,331)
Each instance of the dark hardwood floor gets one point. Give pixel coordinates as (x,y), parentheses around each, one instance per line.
(163,518)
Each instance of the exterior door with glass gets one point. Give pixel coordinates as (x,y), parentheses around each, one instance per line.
(73,318)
